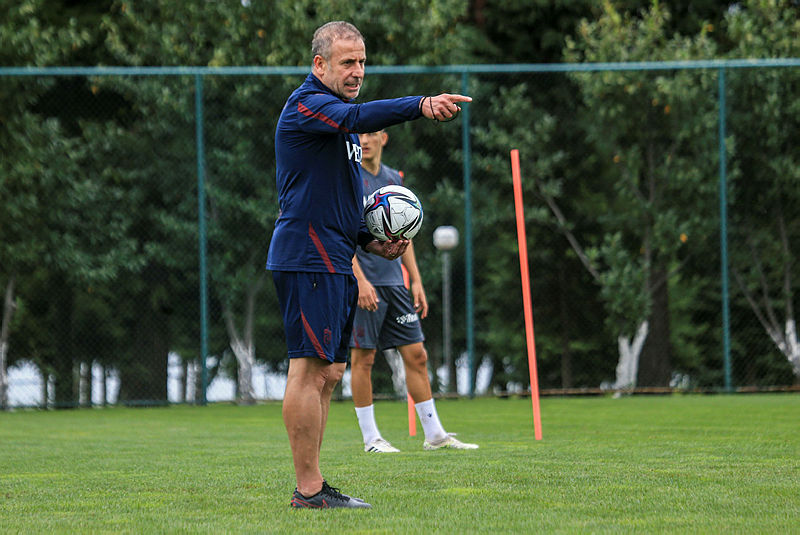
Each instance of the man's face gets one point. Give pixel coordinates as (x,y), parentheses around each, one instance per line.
(344,73)
(372,145)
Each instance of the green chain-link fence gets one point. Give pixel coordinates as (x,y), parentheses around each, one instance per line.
(661,200)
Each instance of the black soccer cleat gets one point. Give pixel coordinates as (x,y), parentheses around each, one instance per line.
(328,498)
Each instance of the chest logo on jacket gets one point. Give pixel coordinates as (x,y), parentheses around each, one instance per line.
(353,152)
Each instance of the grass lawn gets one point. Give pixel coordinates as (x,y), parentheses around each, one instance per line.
(700,464)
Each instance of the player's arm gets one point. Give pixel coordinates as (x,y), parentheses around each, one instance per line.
(327,114)
(367,296)
(379,114)
(409,260)
(323,113)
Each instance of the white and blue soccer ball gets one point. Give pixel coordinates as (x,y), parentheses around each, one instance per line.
(393,213)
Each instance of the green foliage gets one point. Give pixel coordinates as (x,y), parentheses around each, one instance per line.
(28,144)
(654,135)
(58,225)
(26,40)
(241,202)
(98,175)
(279,33)
(765,220)
(540,140)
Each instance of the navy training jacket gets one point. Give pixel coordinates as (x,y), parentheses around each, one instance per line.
(318,158)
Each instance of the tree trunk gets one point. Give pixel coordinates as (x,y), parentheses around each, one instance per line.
(566,353)
(395,360)
(85,388)
(793,345)
(629,354)
(144,379)
(184,392)
(243,345)
(452,374)
(433,371)
(655,364)
(103,394)
(64,361)
(3,376)
(788,344)
(197,381)
(246,359)
(45,385)
(5,329)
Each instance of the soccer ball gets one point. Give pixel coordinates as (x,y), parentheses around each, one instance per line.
(393,213)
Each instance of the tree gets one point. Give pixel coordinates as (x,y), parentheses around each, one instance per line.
(654,134)
(240,119)
(536,31)
(106,271)
(48,201)
(765,220)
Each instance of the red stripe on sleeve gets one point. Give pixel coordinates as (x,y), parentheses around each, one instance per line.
(302,108)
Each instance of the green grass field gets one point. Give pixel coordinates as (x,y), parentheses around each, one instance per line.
(638,464)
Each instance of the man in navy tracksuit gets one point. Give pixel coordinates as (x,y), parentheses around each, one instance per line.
(319,227)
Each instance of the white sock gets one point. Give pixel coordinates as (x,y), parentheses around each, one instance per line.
(430,421)
(366,421)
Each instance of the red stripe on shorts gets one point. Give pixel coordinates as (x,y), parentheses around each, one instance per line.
(313,337)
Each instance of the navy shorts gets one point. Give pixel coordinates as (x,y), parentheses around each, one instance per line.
(394,324)
(318,310)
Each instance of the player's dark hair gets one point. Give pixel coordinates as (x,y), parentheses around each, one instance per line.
(328,33)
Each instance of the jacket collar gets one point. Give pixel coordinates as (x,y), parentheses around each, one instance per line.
(317,83)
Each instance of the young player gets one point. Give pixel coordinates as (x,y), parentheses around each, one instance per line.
(387,318)
(317,157)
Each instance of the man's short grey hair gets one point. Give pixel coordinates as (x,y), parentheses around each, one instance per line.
(330,32)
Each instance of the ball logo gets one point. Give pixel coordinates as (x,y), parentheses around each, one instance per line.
(393,212)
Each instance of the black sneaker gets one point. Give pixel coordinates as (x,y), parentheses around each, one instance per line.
(327,498)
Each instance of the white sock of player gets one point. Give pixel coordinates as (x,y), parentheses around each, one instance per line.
(430,421)
(366,421)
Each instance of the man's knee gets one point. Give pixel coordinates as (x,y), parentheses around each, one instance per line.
(312,372)
(335,372)
(414,355)
(362,359)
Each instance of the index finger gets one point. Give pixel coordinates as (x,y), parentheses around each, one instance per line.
(458,98)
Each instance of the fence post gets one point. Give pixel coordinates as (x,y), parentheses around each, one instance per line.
(201,231)
(723,235)
(465,145)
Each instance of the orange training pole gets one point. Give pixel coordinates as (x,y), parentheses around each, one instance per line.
(412,418)
(526,293)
